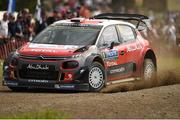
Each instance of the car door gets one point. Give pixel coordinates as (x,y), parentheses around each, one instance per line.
(132,49)
(114,57)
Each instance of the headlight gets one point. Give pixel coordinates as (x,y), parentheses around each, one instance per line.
(14,60)
(16,53)
(77,55)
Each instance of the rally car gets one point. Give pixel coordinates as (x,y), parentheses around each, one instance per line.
(83,54)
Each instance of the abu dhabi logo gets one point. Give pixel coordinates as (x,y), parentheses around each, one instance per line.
(38,67)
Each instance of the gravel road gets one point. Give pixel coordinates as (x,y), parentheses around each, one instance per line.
(159,102)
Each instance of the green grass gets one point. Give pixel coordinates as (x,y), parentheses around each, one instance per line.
(46,114)
(168,63)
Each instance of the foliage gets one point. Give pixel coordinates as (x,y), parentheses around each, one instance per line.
(46,114)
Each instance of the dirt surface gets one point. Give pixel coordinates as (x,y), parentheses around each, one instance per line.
(159,102)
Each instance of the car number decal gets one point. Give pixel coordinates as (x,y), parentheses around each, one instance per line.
(111,55)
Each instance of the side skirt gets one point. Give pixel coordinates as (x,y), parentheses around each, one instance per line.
(122,81)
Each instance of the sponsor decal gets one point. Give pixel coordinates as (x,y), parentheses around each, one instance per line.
(10,83)
(68,76)
(111,63)
(64,86)
(32,45)
(111,54)
(38,67)
(39,81)
(78,25)
(70,47)
(133,48)
(66,47)
(118,70)
(43,50)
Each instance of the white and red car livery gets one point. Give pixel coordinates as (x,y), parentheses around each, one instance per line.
(83,54)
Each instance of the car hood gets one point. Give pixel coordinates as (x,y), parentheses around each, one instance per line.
(34,49)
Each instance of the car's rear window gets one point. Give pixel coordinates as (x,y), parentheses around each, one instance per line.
(68,35)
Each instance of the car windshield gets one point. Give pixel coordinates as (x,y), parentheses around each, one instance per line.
(68,35)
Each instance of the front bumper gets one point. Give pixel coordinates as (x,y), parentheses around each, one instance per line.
(46,84)
(14,76)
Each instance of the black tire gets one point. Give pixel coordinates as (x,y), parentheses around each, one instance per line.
(149,73)
(96,77)
(18,89)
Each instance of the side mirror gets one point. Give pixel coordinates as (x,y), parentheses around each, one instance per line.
(112,45)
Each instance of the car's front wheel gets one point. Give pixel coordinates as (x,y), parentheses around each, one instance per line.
(96,77)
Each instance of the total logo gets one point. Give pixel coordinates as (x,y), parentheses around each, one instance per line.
(111,63)
(133,48)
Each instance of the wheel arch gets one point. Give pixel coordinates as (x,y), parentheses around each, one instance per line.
(99,60)
(94,58)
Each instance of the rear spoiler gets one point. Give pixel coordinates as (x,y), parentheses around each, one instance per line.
(118,16)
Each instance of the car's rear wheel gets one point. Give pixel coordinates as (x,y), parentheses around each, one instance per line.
(96,77)
(149,73)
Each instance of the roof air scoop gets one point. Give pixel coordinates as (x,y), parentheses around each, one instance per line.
(77,20)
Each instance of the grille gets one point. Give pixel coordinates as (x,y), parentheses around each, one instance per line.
(50,74)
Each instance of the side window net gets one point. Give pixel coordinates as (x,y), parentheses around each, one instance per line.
(126,33)
(109,35)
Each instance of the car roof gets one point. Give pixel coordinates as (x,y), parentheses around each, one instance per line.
(93,22)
